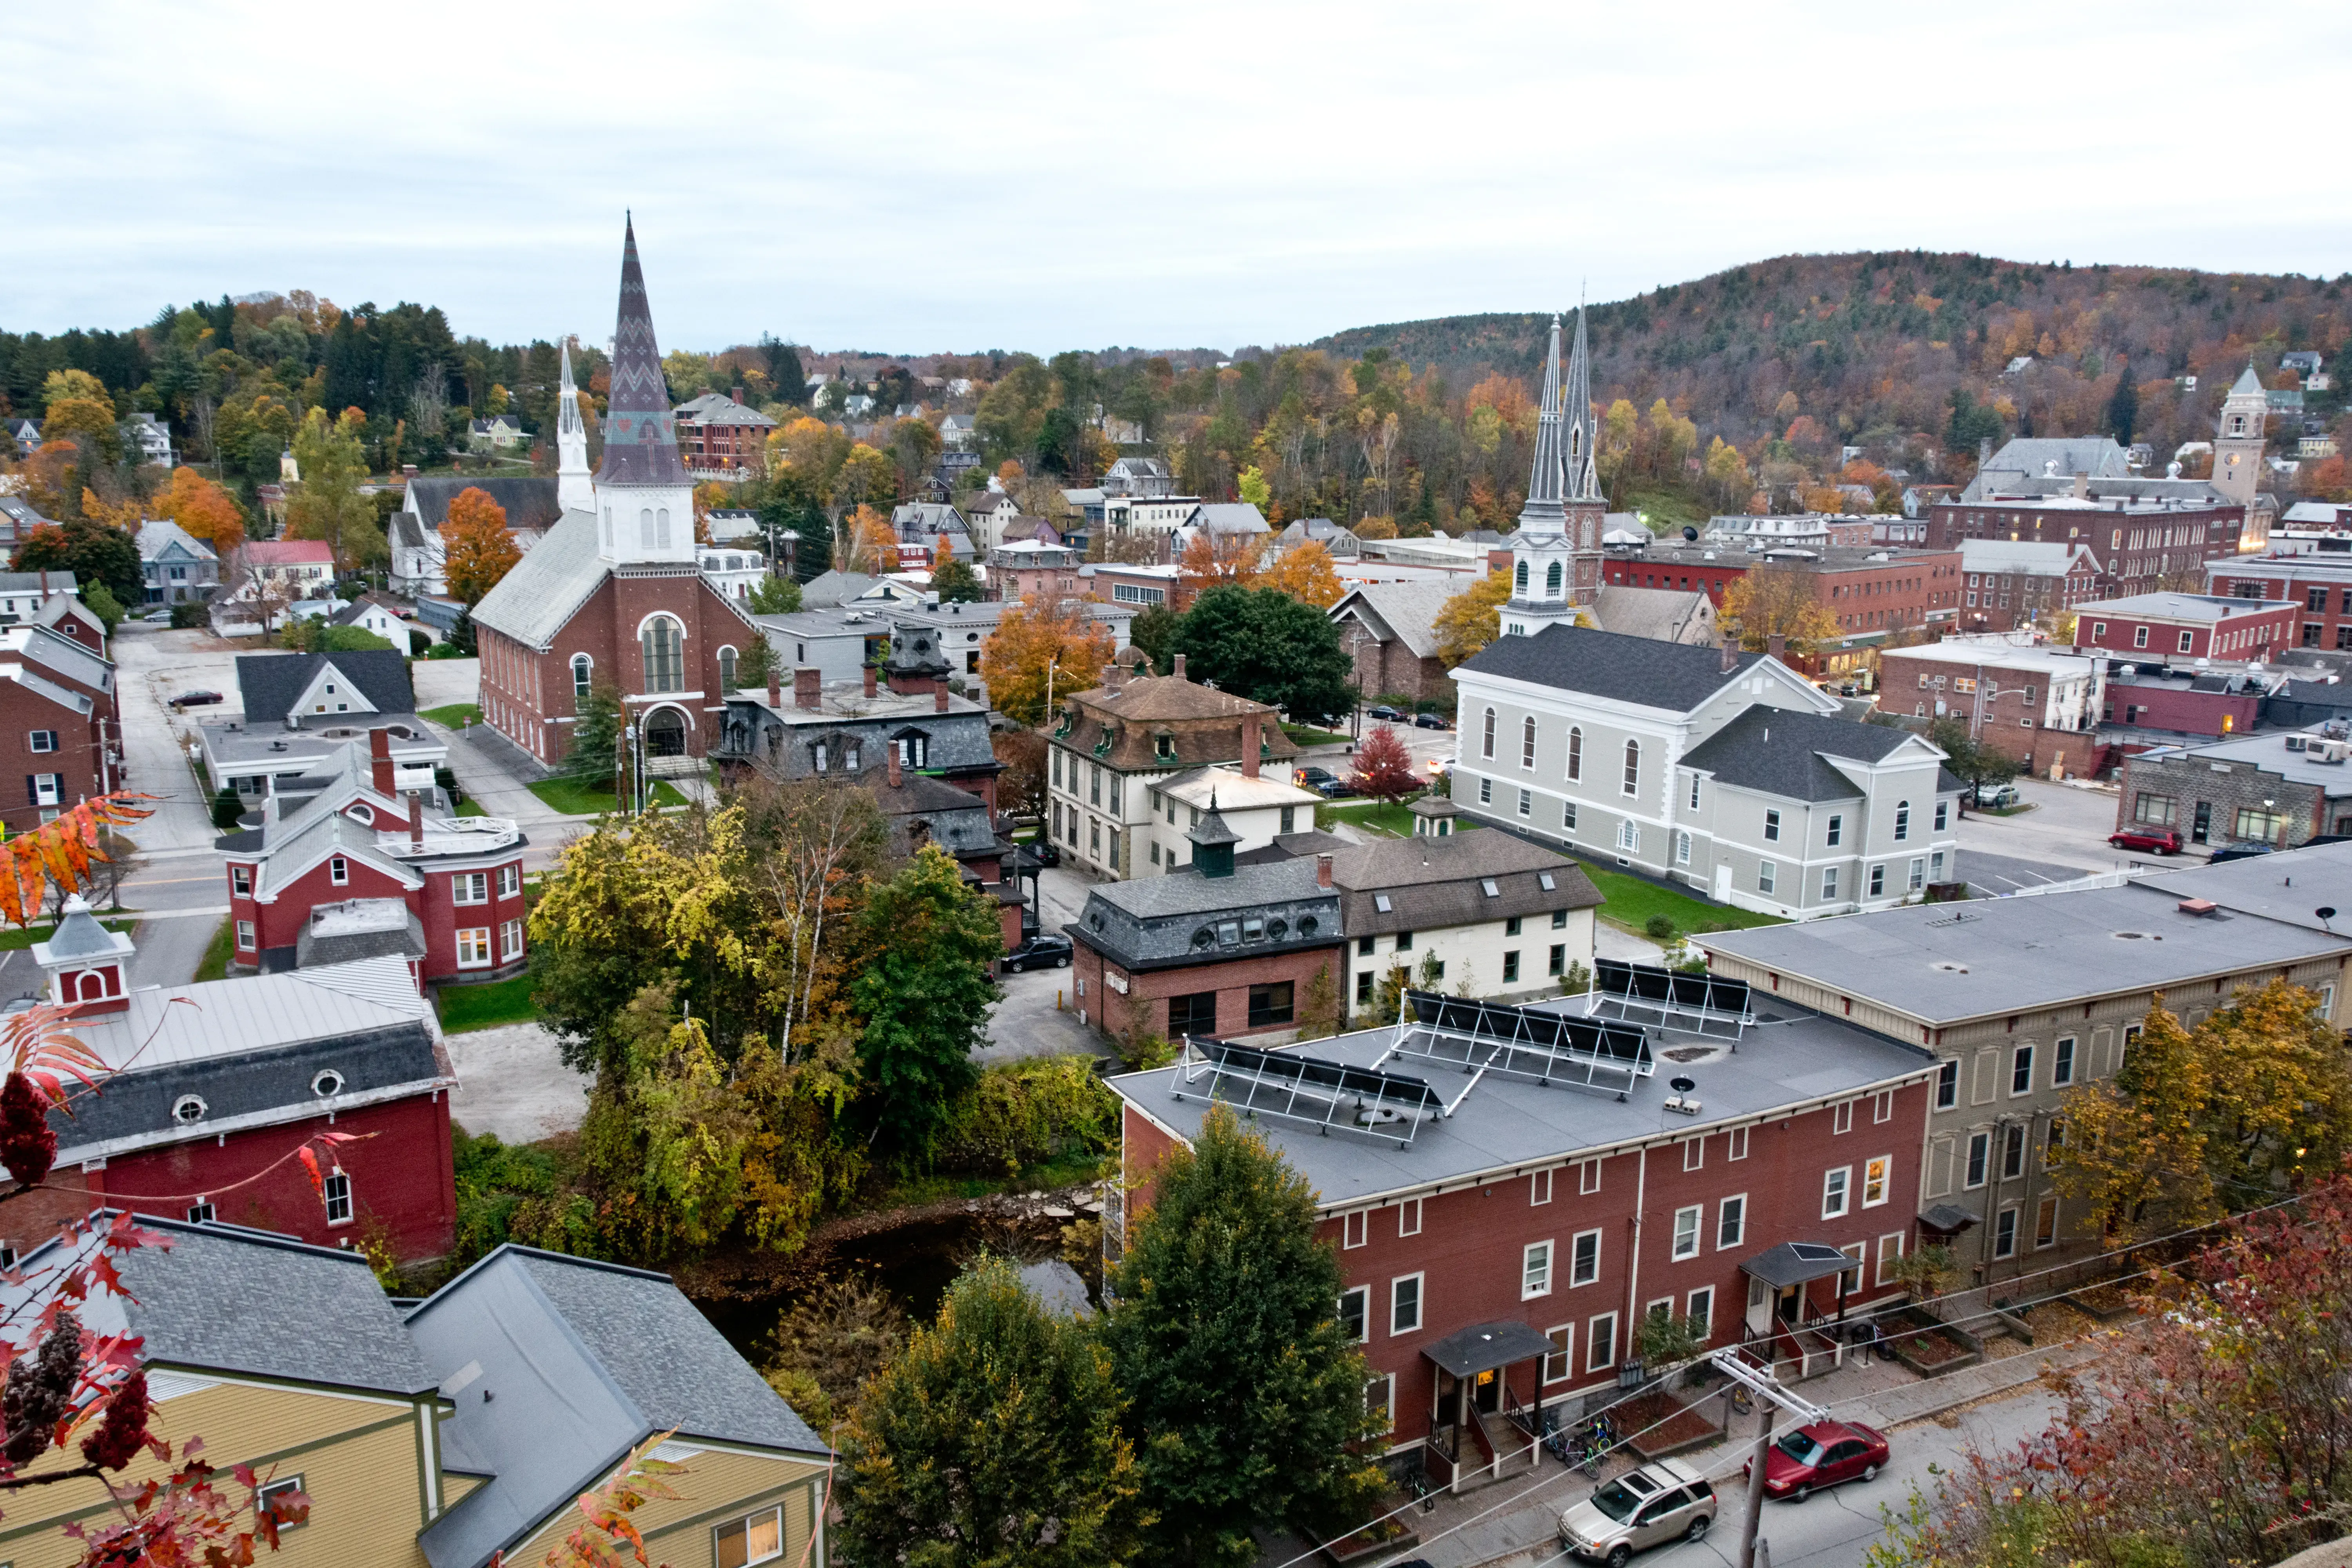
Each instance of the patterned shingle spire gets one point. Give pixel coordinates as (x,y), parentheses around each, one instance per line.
(1577,423)
(1542,513)
(640,436)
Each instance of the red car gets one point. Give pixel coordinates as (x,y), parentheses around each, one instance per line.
(1822,1455)
(2148,840)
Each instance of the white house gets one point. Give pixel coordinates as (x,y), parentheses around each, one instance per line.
(734,572)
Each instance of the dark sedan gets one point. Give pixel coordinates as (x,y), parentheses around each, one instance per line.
(195,699)
(1430,721)
(1825,1454)
(1323,782)
(1385,714)
(1043,951)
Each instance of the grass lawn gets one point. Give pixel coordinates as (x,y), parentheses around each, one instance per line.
(576,799)
(17,940)
(455,716)
(1307,737)
(1381,817)
(216,956)
(1629,901)
(469,807)
(465,1008)
(1667,511)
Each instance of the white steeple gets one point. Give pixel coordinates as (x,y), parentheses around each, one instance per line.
(575,486)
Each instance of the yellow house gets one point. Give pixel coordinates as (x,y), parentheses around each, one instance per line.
(464,1428)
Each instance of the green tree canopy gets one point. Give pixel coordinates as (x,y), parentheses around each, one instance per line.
(1262,644)
(775,596)
(992,1441)
(957,583)
(92,551)
(923,989)
(1248,1395)
(1969,758)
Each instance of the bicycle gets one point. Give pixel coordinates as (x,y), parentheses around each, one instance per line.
(1742,1402)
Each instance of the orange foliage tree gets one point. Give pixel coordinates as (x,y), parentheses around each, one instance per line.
(1035,649)
(477,547)
(203,510)
(873,543)
(1305,573)
(1216,561)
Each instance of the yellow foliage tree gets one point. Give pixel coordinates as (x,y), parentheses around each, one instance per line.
(478,550)
(1472,619)
(1216,561)
(203,510)
(1376,528)
(866,477)
(870,543)
(1305,573)
(328,504)
(1035,642)
(1769,601)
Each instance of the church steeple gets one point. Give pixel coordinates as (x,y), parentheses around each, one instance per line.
(1542,512)
(1577,422)
(644,496)
(575,489)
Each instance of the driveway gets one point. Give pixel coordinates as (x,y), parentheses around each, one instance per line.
(153,666)
(2067,826)
(1039,1016)
(513,1084)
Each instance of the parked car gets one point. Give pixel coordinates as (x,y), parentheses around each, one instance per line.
(1323,782)
(1443,767)
(195,699)
(1825,1454)
(2148,840)
(1999,797)
(1044,851)
(2228,852)
(1384,714)
(1043,951)
(1430,721)
(1668,1500)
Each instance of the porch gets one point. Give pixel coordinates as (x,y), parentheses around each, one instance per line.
(1480,1430)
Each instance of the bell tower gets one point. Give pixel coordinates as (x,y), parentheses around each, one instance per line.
(1543,550)
(645,501)
(2237,439)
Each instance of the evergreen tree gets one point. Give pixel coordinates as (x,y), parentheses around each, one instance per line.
(992,1441)
(227,806)
(1248,1395)
(923,989)
(2123,408)
(595,730)
(1262,644)
(1154,631)
(461,635)
(755,664)
(957,583)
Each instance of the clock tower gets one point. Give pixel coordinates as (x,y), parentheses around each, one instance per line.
(2238,440)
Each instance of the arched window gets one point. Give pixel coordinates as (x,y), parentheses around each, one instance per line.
(608,528)
(1632,767)
(646,528)
(666,733)
(1902,820)
(661,528)
(662,643)
(726,669)
(582,664)
(1551,580)
(1521,577)
(1486,742)
(1528,742)
(1575,754)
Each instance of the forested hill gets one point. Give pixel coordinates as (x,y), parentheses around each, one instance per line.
(1871,344)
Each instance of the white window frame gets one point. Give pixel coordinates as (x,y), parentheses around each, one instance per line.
(473,940)
(338,1196)
(1841,1117)
(2020,1058)
(1837,1187)
(1631,786)
(510,939)
(1738,1141)
(1687,1220)
(1418,1280)
(1982,1137)
(1695,1152)
(1386,1401)
(244,937)
(2004,1231)
(1731,1216)
(1889,1256)
(1588,1178)
(1877,1175)
(1408,1218)
(1700,1304)
(1355,1229)
(1578,1259)
(469,888)
(2066,1050)
(1363,1314)
(1562,1354)
(743,1525)
(338,871)
(510,881)
(1595,1340)
(1535,1270)
(1538,1189)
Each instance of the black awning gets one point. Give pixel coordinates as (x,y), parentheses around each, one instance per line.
(1948,1218)
(1797,1263)
(1486,1347)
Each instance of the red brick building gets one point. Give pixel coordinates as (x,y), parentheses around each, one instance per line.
(60,739)
(1872,594)
(2141,545)
(616,592)
(723,433)
(353,862)
(2318,583)
(1501,1256)
(217,1084)
(2012,586)
(2038,705)
(2165,627)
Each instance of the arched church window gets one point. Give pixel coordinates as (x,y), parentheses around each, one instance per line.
(661,527)
(582,667)
(1551,580)
(726,669)
(1486,740)
(646,528)
(663,642)
(1520,578)
(1575,753)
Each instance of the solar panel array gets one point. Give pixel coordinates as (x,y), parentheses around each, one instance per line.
(1312,1089)
(1691,1003)
(1520,1042)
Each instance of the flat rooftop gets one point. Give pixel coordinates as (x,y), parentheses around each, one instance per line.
(2049,660)
(2267,750)
(359,916)
(1789,1058)
(1946,963)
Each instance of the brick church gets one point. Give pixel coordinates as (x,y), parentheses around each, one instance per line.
(614,589)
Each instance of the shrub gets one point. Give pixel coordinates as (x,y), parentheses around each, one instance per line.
(188,615)
(1025,1113)
(1142,1049)
(1577,981)
(226,808)
(420,645)
(1658,927)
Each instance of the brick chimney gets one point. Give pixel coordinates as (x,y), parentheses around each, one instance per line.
(1323,871)
(1777,645)
(939,698)
(416,817)
(380,763)
(775,686)
(1180,666)
(808,687)
(1730,653)
(737,395)
(890,750)
(869,681)
(1250,744)
(1114,678)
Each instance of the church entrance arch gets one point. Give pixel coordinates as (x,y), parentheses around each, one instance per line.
(666,733)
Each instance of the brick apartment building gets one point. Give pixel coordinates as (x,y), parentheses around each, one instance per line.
(2166,626)
(60,728)
(1874,593)
(720,432)
(1501,1257)
(2040,706)
(2141,545)
(2318,583)
(2012,585)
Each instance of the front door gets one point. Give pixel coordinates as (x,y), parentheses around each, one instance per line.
(2201,830)
(1490,1393)
(1723,884)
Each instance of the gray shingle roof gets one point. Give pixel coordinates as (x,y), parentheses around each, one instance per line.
(1776,752)
(1431,883)
(1676,677)
(547,585)
(1154,922)
(527,502)
(557,1366)
(271,683)
(1409,611)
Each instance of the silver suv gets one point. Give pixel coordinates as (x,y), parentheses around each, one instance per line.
(1657,1503)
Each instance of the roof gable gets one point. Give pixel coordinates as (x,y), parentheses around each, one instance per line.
(273,685)
(1675,677)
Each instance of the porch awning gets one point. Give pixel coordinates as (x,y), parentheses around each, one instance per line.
(1948,1218)
(1797,1263)
(1486,1347)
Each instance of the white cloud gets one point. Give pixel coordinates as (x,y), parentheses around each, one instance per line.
(1051,176)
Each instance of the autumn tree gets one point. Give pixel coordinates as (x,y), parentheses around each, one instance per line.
(1307,573)
(328,504)
(1037,645)
(1021,788)
(1768,600)
(1212,560)
(1384,767)
(869,543)
(203,510)
(1472,619)
(477,548)
(2200,1123)
(90,550)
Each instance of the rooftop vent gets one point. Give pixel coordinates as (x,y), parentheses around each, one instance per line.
(2198,907)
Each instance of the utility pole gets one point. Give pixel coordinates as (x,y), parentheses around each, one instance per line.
(1771,1396)
(1753,1515)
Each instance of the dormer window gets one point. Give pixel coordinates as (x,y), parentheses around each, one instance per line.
(1163,746)
(339,871)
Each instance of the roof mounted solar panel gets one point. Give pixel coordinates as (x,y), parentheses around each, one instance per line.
(1479,1037)
(1286,1086)
(1711,1005)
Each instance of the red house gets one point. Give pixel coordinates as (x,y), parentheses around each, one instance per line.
(1500,1245)
(59,728)
(616,592)
(2164,627)
(351,862)
(216,1085)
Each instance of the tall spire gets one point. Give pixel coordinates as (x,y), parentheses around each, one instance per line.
(574,491)
(1542,511)
(1577,422)
(640,436)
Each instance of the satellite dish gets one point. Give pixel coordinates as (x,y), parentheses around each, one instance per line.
(1690,534)
(1682,1085)
(2325,913)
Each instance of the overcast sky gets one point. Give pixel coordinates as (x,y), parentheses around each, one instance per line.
(917,176)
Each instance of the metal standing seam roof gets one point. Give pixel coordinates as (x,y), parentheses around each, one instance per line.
(58,652)
(180,1024)
(76,701)
(547,587)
